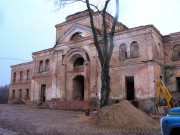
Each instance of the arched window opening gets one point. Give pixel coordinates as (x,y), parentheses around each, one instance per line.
(134,50)
(78,62)
(21,76)
(28,74)
(77,36)
(176,52)
(14,77)
(41,66)
(123,52)
(47,65)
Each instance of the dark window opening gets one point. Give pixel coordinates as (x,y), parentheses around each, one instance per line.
(28,75)
(78,62)
(21,75)
(14,77)
(178,84)
(27,93)
(130,88)
(13,93)
(20,93)
(78,88)
(43,93)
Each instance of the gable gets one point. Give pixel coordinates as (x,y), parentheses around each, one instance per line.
(75,29)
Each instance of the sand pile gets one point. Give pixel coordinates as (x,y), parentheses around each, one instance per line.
(124,115)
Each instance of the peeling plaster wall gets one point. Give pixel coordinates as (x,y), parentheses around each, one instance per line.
(154,60)
(139,67)
(172,69)
(143,81)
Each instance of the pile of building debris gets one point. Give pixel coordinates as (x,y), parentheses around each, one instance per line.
(124,115)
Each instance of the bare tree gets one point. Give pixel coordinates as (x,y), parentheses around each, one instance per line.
(4,93)
(107,35)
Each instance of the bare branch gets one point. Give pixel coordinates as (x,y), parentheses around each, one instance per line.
(113,30)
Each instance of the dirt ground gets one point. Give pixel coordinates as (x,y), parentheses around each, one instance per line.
(26,120)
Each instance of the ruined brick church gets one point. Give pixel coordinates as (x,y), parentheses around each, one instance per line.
(69,72)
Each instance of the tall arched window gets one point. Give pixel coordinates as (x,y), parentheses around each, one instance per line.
(14,77)
(28,75)
(122,52)
(134,50)
(41,66)
(21,76)
(47,65)
(176,52)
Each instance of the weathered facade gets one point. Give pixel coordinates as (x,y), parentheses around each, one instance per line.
(70,71)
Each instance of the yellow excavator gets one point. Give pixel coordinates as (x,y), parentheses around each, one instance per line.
(161,88)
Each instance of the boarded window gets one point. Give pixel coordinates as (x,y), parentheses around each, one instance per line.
(41,66)
(176,52)
(122,52)
(47,65)
(134,50)
(21,76)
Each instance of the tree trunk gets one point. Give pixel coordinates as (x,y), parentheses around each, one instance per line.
(105,88)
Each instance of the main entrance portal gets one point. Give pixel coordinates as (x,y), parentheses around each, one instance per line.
(78,88)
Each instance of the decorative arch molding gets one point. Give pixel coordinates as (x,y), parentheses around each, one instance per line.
(71,71)
(77,28)
(73,54)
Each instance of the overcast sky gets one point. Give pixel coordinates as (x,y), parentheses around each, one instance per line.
(27,26)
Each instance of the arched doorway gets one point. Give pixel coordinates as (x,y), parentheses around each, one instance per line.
(78,88)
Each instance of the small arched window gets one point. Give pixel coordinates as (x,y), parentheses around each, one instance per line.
(78,62)
(122,52)
(41,66)
(14,77)
(21,76)
(176,52)
(47,65)
(28,74)
(134,50)
(77,36)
